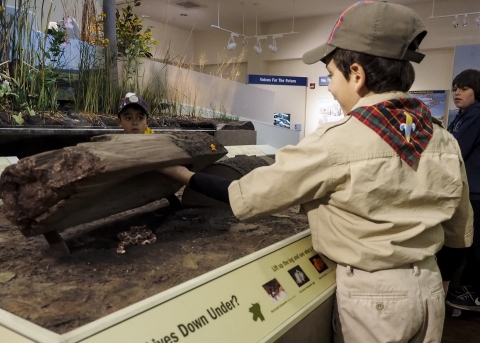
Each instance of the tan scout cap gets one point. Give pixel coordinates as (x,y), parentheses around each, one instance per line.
(374,28)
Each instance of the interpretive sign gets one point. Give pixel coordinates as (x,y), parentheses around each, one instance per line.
(245,301)
(276,80)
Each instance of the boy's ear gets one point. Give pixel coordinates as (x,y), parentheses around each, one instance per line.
(358,77)
(119,120)
(148,121)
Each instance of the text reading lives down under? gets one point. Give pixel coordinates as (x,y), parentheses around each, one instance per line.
(190,327)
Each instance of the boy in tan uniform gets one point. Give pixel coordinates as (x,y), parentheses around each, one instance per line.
(383,189)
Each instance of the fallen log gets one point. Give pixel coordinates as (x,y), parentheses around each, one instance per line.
(232,169)
(59,189)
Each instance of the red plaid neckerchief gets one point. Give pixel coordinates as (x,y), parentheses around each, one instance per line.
(394,119)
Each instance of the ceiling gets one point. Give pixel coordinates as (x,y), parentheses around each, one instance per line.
(175,13)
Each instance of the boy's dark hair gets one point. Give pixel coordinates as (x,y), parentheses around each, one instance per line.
(469,78)
(382,74)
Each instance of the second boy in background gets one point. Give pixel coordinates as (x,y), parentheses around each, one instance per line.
(133,115)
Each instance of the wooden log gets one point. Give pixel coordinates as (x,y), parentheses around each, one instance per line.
(76,185)
(232,169)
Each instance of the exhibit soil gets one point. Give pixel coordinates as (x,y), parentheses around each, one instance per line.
(61,293)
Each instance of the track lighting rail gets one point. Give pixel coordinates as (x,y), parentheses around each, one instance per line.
(231,41)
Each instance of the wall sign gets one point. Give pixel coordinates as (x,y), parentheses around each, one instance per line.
(276,80)
(324,81)
(330,111)
(436,101)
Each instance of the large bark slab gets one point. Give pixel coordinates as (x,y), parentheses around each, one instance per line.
(76,185)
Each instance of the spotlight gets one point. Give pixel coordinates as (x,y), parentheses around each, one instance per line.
(258,47)
(137,3)
(245,41)
(231,42)
(455,21)
(477,20)
(465,20)
(273,47)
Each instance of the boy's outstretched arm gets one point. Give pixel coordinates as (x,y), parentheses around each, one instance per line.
(300,174)
(179,173)
(212,186)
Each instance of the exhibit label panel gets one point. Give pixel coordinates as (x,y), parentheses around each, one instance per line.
(243,305)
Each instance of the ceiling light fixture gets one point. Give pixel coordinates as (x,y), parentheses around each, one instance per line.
(231,42)
(258,47)
(455,22)
(273,47)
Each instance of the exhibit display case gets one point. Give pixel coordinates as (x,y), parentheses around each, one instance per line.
(262,297)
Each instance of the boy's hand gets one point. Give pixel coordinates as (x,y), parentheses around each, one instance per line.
(179,173)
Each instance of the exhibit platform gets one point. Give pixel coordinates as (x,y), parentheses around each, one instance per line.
(282,293)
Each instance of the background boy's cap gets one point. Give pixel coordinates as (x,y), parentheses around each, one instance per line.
(375,28)
(130,100)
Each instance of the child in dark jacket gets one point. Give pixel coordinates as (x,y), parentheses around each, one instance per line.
(466,129)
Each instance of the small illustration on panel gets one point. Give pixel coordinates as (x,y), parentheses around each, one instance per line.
(274,290)
(299,276)
(318,263)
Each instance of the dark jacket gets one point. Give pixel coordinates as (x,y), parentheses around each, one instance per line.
(466,129)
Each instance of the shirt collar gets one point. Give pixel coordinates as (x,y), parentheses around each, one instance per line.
(377,98)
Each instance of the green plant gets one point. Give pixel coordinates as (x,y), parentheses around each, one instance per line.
(6,91)
(58,41)
(130,39)
(18,118)
(132,44)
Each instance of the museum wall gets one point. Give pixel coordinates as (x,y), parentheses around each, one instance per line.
(74,9)
(210,46)
(435,73)
(209,92)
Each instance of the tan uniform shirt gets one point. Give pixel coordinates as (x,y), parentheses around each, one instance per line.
(366,207)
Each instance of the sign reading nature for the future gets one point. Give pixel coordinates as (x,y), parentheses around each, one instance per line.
(276,80)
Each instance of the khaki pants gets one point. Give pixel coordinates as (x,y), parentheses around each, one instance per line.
(387,306)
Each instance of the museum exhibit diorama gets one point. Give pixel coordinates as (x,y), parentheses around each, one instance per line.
(186,273)
(96,245)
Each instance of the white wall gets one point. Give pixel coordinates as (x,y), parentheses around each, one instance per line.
(284,103)
(210,92)
(176,43)
(232,71)
(435,72)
